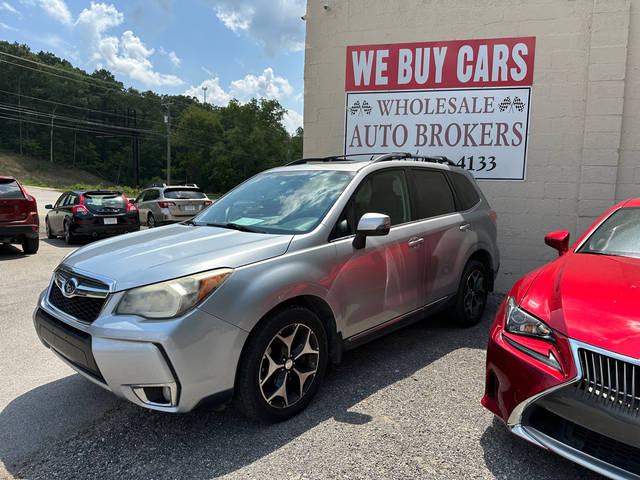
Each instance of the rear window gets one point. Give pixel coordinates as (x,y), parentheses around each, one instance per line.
(101,201)
(10,189)
(433,194)
(183,193)
(466,192)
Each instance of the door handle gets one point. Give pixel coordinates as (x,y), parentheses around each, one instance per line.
(465,227)
(415,242)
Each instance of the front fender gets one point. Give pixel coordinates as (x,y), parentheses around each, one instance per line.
(252,291)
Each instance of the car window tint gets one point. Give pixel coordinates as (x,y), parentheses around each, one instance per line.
(141,197)
(10,189)
(183,193)
(466,192)
(152,195)
(432,194)
(60,200)
(383,192)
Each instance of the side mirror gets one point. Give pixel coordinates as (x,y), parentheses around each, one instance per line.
(558,240)
(371,225)
(132,201)
(48,206)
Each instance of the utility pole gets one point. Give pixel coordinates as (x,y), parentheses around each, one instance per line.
(20,110)
(167,120)
(204,89)
(53,115)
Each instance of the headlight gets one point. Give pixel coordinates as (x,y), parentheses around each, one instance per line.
(520,322)
(171,298)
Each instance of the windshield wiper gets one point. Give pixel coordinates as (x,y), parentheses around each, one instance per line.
(234,226)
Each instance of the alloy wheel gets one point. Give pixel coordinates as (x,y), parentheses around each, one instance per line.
(474,294)
(289,365)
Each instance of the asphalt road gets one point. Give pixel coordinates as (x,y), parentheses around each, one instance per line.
(404,406)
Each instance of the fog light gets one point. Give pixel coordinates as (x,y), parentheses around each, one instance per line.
(166,394)
(163,395)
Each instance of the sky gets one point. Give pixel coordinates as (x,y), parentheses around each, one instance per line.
(236,48)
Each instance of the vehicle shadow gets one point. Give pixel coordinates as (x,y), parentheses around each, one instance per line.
(508,456)
(130,441)
(10,252)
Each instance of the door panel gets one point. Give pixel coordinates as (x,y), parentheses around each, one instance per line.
(379,282)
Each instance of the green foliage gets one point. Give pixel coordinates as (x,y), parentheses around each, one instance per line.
(95,121)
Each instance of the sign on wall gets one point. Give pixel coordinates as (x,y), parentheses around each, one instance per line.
(466,100)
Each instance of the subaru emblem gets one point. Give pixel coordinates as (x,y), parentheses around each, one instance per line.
(69,287)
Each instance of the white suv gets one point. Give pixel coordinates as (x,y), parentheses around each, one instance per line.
(163,204)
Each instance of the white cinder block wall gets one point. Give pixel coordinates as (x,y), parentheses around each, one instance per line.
(584,135)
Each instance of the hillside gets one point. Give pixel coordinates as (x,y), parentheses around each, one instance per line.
(40,173)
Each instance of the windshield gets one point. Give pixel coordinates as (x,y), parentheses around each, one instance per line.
(278,202)
(104,202)
(183,193)
(618,235)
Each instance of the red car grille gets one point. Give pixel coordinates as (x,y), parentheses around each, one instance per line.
(611,381)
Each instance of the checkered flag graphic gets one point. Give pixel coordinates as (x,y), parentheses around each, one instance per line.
(504,104)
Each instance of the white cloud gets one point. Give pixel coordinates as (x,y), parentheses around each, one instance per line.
(266,85)
(291,121)
(126,55)
(58,10)
(235,21)
(207,71)
(7,27)
(274,24)
(215,93)
(174,59)
(8,7)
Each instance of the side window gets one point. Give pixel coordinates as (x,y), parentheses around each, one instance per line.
(466,192)
(142,196)
(381,192)
(69,200)
(61,200)
(432,193)
(152,195)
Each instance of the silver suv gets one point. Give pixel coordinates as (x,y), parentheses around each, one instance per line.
(255,295)
(162,204)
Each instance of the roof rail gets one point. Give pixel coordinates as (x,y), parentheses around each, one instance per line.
(157,185)
(384,157)
(333,158)
(416,158)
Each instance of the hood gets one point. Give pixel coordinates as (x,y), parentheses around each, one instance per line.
(591,298)
(159,254)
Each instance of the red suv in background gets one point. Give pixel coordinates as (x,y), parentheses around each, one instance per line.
(19,222)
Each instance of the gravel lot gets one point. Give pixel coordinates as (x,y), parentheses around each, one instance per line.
(404,406)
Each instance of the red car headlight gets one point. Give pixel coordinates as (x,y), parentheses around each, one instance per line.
(522,323)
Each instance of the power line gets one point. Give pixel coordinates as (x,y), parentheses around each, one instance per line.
(62,76)
(84,75)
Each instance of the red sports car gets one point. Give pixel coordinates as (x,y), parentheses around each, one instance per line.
(563,362)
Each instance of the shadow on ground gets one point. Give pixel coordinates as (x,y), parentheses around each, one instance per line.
(128,441)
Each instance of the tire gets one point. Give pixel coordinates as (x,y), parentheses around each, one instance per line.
(151,221)
(30,245)
(69,237)
(48,229)
(472,294)
(268,387)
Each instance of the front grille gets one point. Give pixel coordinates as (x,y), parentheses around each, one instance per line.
(85,309)
(587,441)
(613,382)
(85,281)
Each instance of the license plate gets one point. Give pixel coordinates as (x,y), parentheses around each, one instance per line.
(189,208)
(110,221)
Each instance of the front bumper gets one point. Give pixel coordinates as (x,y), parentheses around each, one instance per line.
(561,411)
(191,358)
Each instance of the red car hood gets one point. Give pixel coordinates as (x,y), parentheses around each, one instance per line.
(592,298)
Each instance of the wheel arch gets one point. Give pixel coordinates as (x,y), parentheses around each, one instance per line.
(485,258)
(318,306)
